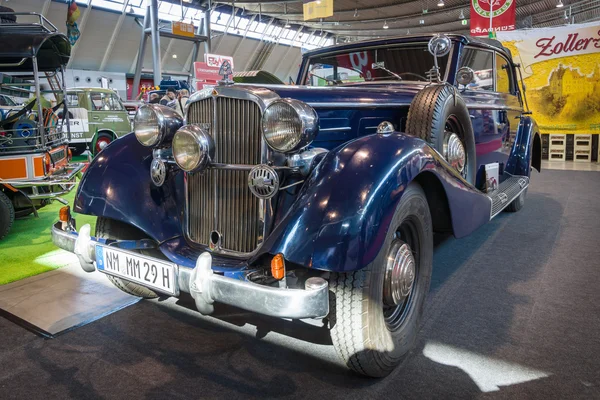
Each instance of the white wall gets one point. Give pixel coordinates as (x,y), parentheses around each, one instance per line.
(84,78)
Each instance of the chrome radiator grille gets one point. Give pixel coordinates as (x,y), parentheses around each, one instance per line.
(219,200)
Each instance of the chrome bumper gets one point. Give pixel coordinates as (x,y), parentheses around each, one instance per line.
(65,180)
(206,287)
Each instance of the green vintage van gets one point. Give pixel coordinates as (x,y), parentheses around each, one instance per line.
(97,117)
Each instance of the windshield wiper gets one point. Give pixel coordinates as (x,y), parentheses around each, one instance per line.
(378,66)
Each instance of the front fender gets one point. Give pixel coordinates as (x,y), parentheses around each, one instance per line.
(117,185)
(341,216)
(527,148)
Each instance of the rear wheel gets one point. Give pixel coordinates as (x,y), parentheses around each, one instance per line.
(517,203)
(440,116)
(376,311)
(7,215)
(110,229)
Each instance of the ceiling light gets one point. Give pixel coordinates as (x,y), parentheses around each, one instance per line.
(355,12)
(559,4)
(441,3)
(408,31)
(425,11)
(462,15)
(385,25)
(318,1)
(174,55)
(287,24)
(422,22)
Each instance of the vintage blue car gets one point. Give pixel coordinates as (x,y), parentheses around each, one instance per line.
(318,200)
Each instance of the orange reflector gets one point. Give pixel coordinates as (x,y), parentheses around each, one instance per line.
(47,163)
(70,154)
(278,267)
(64,215)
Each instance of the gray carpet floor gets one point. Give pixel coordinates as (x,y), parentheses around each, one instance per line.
(514,312)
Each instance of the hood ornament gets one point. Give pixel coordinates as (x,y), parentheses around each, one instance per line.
(227,72)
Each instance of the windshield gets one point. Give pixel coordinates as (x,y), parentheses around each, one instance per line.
(7,101)
(401,62)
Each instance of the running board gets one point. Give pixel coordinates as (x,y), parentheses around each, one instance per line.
(508,190)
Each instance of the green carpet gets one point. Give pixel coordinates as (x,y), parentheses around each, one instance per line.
(28,249)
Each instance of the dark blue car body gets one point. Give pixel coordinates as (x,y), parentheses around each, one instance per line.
(337,219)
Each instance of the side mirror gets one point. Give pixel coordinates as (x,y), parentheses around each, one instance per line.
(439,45)
(465,75)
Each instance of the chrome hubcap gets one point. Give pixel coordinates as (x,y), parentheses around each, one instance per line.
(454,151)
(399,274)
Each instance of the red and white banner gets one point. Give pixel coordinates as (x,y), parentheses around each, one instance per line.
(503,16)
(215,60)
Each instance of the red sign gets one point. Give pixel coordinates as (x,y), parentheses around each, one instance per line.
(203,72)
(503,16)
(145,84)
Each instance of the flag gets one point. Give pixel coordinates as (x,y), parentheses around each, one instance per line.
(72,16)
(72,12)
(503,16)
(318,9)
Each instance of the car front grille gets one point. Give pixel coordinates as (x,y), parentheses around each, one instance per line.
(219,199)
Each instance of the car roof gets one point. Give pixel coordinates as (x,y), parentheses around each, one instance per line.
(470,40)
(88,89)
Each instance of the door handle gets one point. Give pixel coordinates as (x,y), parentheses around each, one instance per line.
(96,117)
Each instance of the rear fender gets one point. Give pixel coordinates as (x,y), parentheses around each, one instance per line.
(527,149)
(341,216)
(117,185)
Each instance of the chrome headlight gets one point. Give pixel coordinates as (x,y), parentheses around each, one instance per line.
(155,124)
(193,148)
(289,125)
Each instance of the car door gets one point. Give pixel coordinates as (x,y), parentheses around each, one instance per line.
(107,113)
(493,103)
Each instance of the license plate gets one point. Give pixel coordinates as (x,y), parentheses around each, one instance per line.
(137,268)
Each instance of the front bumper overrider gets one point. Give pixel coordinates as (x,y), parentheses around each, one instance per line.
(207,287)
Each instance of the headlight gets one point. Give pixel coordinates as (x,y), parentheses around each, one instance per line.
(193,148)
(289,125)
(155,124)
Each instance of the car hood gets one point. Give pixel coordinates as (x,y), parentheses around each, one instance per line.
(377,94)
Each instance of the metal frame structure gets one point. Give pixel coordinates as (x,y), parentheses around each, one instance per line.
(151,28)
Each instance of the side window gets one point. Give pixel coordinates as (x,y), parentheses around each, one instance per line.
(72,100)
(482,63)
(105,102)
(503,81)
(115,103)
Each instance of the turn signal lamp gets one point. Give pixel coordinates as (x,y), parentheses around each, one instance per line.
(278,267)
(64,215)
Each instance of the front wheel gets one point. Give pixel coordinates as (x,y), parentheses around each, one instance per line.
(110,229)
(102,140)
(7,215)
(376,311)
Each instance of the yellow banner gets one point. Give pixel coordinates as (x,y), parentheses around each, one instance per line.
(561,68)
(318,9)
(182,29)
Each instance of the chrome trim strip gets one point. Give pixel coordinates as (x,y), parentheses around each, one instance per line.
(344,128)
(355,105)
